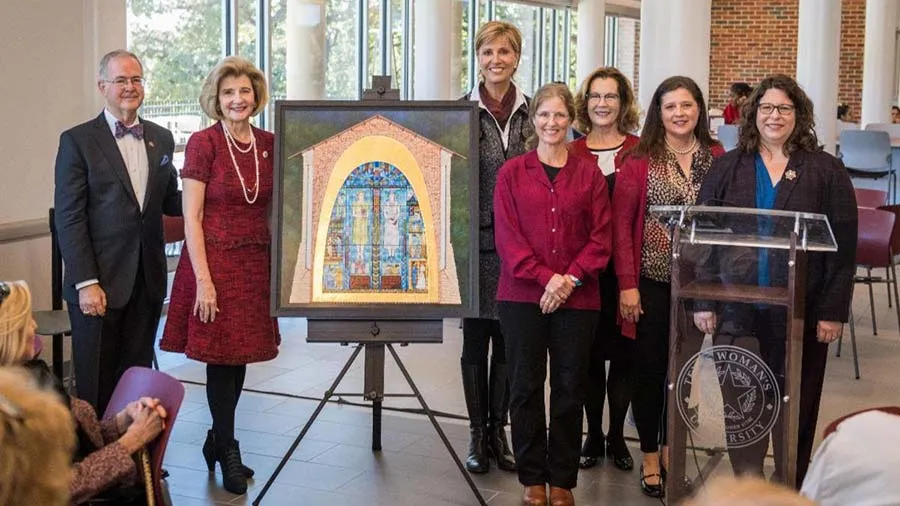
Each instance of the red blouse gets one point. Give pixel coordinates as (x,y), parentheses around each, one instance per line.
(731,114)
(544,228)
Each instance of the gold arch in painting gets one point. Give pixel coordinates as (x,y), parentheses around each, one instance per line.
(378,148)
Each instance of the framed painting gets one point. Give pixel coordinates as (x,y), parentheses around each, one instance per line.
(376,210)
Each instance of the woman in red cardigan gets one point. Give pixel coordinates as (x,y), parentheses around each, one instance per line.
(606,112)
(552,231)
(665,168)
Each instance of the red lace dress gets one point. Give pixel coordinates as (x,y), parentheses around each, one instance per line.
(237,251)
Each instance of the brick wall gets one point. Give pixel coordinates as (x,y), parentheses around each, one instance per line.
(750,39)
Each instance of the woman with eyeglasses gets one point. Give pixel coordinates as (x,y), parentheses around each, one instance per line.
(606,113)
(780,165)
(104,453)
(503,116)
(667,167)
(552,226)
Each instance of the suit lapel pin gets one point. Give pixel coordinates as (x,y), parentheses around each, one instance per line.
(265,154)
(152,144)
(790,175)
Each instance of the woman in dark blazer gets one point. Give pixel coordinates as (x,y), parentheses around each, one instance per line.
(606,112)
(503,117)
(780,165)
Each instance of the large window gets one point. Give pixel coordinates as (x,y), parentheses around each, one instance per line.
(329,49)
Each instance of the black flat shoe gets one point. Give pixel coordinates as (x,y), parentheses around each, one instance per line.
(620,456)
(656,490)
(592,451)
(588,462)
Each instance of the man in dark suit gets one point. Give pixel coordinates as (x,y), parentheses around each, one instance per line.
(114,182)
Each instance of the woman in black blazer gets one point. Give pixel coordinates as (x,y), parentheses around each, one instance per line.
(780,165)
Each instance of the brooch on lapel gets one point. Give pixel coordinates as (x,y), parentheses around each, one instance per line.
(265,154)
(790,175)
(164,161)
(152,144)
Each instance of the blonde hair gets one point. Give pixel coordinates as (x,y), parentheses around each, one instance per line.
(37,439)
(232,66)
(15,320)
(628,119)
(746,491)
(493,30)
(544,93)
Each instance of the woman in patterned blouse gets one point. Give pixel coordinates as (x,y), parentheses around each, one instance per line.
(665,168)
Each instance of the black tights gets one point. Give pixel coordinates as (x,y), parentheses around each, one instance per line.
(223,390)
(477,336)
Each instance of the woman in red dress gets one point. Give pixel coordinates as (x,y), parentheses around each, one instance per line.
(219,310)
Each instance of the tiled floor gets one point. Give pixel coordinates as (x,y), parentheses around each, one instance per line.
(334,464)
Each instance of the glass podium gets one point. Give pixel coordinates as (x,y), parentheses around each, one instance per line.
(733,388)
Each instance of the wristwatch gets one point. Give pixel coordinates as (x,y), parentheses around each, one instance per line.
(575,280)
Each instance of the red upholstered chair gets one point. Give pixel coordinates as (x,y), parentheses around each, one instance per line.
(140,382)
(873,249)
(866,197)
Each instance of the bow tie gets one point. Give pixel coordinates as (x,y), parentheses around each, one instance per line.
(137,130)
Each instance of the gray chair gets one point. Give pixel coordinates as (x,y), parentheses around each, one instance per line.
(867,155)
(892,129)
(728,136)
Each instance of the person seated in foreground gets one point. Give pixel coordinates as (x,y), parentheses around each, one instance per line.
(746,491)
(36,443)
(103,458)
(857,462)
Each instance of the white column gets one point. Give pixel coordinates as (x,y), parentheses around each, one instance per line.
(433,39)
(879,61)
(305,65)
(591,46)
(818,55)
(674,41)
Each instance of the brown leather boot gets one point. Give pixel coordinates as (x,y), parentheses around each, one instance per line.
(561,497)
(535,495)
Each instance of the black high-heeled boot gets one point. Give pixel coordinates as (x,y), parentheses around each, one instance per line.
(209,454)
(475,388)
(499,408)
(228,454)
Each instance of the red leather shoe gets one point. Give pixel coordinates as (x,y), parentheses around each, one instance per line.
(561,497)
(535,495)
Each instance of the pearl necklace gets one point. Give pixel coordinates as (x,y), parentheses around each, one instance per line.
(229,140)
(680,152)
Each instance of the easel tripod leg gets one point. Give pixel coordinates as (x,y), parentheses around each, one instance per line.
(325,398)
(437,426)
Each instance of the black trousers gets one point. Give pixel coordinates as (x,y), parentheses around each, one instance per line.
(104,347)
(566,336)
(651,361)
(764,331)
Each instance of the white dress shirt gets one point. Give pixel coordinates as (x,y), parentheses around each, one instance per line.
(134,153)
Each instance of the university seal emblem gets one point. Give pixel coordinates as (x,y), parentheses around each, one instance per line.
(750,396)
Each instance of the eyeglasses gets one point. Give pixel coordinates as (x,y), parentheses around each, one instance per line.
(122,82)
(783,109)
(4,291)
(609,97)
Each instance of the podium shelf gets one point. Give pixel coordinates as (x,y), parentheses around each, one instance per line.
(734,293)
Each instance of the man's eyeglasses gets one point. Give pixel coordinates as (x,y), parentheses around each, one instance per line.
(609,97)
(783,109)
(122,82)
(4,291)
